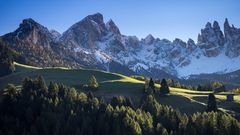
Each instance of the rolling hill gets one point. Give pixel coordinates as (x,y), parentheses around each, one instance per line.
(113,84)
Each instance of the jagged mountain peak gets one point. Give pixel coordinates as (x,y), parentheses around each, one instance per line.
(28,20)
(208,25)
(226,24)
(85,32)
(178,41)
(149,39)
(232,40)
(30,32)
(211,39)
(31,24)
(191,42)
(97,17)
(94,20)
(112,27)
(55,34)
(216,25)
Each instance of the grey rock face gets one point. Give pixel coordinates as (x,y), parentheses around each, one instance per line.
(232,40)
(35,43)
(191,45)
(112,27)
(56,35)
(149,39)
(85,32)
(211,40)
(31,31)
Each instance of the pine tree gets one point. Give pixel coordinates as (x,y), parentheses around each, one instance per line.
(41,86)
(93,82)
(164,89)
(53,89)
(11,92)
(151,84)
(211,106)
(199,88)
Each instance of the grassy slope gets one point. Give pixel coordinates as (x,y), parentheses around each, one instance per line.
(112,84)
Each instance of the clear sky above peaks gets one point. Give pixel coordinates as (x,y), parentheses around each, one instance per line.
(168,19)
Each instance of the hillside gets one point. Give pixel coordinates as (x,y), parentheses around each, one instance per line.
(110,83)
(113,84)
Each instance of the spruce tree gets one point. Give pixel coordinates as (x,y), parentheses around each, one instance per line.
(212,105)
(151,84)
(164,89)
(93,82)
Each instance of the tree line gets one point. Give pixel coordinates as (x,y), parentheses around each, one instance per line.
(7,58)
(211,86)
(56,109)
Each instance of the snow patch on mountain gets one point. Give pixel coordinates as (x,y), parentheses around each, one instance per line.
(218,64)
(138,66)
(102,57)
(79,49)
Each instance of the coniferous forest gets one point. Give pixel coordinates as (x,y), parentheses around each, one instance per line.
(56,109)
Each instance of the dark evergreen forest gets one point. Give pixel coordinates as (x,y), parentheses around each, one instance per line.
(38,109)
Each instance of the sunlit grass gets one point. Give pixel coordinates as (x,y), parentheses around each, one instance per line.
(26,66)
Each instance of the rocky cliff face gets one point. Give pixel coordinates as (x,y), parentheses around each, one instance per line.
(112,27)
(35,43)
(92,43)
(232,40)
(211,40)
(85,33)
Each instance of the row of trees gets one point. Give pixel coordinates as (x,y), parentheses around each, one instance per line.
(150,86)
(213,86)
(37,109)
(91,86)
(237,90)
(164,89)
(6,60)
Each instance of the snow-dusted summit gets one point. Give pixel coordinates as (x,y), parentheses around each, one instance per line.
(92,43)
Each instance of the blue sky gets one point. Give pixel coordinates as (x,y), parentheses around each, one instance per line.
(162,18)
